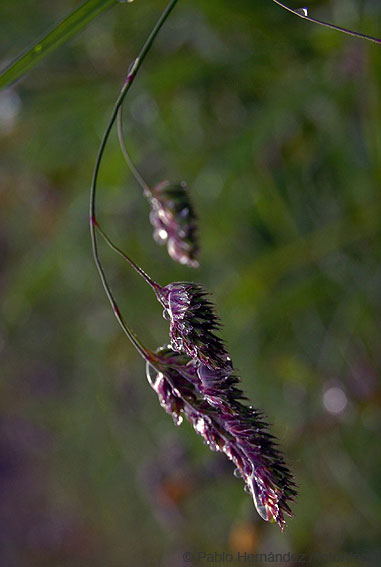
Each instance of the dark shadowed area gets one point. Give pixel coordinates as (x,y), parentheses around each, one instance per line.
(274,123)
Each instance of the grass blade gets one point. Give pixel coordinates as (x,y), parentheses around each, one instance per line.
(60,33)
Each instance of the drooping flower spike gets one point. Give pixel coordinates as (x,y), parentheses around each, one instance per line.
(194,378)
(237,430)
(221,418)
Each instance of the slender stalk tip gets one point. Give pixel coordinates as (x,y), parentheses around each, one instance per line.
(303,13)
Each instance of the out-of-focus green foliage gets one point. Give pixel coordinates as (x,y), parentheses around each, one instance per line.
(53,39)
(274,123)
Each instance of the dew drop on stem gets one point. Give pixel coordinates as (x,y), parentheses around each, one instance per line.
(302,12)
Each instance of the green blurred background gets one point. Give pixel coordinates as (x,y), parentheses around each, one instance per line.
(274,123)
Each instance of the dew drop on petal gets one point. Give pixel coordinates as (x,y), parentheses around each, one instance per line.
(160,235)
(177,419)
(261,508)
(151,374)
(237,473)
(200,425)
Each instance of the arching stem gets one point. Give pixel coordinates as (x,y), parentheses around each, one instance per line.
(137,268)
(139,178)
(146,354)
(303,13)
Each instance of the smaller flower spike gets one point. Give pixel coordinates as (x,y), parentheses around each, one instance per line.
(174,221)
(172,214)
(192,324)
(226,425)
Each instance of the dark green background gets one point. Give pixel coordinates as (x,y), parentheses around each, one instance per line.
(274,123)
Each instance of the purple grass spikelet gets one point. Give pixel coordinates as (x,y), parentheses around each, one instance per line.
(172,215)
(174,221)
(226,425)
(193,324)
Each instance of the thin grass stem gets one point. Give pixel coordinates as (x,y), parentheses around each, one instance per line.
(137,268)
(139,178)
(303,13)
(146,354)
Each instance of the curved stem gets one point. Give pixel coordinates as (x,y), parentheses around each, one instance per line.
(143,351)
(147,355)
(146,188)
(302,13)
(137,268)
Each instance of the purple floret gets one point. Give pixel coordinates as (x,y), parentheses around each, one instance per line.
(174,222)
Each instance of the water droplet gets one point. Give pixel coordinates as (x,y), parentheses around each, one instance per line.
(247,489)
(200,426)
(302,12)
(163,234)
(160,235)
(185,328)
(237,473)
(261,508)
(151,374)
(177,419)
(228,452)
(38,48)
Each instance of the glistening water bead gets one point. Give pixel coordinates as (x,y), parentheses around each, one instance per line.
(302,12)
(261,509)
